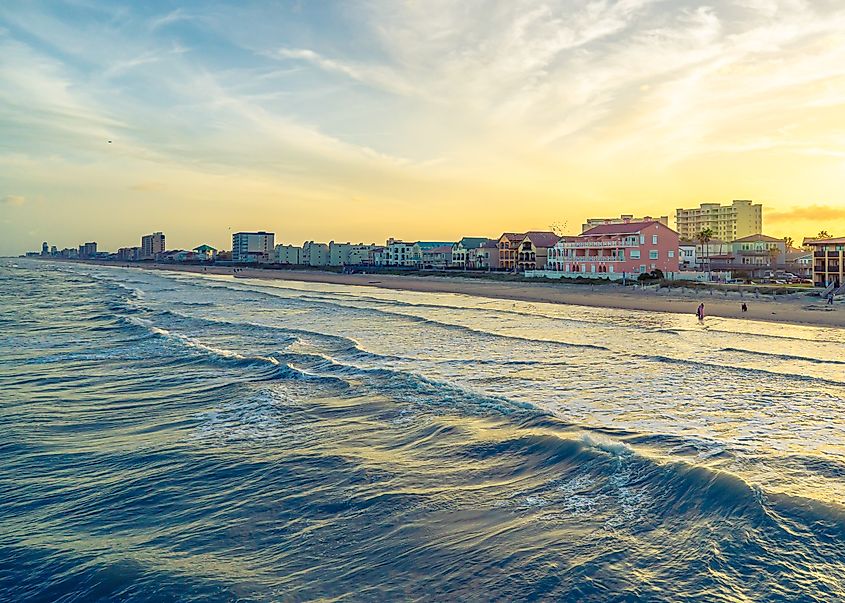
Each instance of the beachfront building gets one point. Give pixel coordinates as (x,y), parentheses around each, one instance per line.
(623,219)
(129,254)
(339,253)
(740,219)
(205,253)
(436,258)
(363,255)
(484,257)
(759,250)
(288,254)
(525,251)
(315,254)
(252,247)
(687,256)
(88,250)
(828,261)
(399,253)
(461,251)
(629,248)
(152,245)
(421,247)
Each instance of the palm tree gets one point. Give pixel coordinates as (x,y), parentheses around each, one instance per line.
(704,237)
(823,234)
(789,241)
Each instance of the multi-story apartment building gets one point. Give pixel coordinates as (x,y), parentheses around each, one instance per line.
(151,245)
(399,253)
(525,251)
(339,253)
(728,222)
(617,249)
(288,254)
(253,247)
(624,218)
(315,254)
(759,250)
(421,247)
(129,254)
(88,250)
(828,261)
(461,251)
(363,255)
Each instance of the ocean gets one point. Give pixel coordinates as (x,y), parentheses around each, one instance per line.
(176,437)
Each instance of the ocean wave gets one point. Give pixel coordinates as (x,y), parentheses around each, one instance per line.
(784,356)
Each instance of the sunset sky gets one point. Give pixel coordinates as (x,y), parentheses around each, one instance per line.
(415,119)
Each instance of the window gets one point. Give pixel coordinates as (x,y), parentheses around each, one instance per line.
(671,253)
(635,254)
(642,239)
(654,239)
(652,255)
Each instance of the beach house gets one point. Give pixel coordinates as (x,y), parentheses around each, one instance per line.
(436,258)
(628,248)
(461,251)
(484,257)
(828,261)
(526,250)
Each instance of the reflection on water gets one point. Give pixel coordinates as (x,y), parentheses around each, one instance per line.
(183,437)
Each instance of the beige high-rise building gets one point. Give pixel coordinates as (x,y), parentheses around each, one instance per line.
(728,222)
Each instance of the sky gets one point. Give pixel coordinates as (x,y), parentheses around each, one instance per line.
(359,120)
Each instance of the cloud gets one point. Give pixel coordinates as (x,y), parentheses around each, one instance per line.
(148,187)
(814,213)
(15,200)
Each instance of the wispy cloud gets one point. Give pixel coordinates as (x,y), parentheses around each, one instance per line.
(810,213)
(16,200)
(564,104)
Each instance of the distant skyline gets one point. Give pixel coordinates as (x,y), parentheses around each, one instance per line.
(416,119)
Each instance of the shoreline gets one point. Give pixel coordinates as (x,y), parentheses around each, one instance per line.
(803,310)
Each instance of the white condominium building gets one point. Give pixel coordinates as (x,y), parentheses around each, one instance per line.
(253,247)
(728,222)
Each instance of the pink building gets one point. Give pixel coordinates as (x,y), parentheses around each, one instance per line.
(626,248)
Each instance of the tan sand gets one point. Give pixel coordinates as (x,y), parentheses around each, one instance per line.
(798,309)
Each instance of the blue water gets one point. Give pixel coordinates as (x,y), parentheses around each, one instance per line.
(174,437)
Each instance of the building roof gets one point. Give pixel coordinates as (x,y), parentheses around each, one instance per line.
(432,244)
(441,249)
(542,238)
(204,248)
(473,242)
(759,238)
(834,241)
(512,236)
(490,244)
(624,228)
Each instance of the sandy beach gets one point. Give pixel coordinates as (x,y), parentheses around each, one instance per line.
(796,308)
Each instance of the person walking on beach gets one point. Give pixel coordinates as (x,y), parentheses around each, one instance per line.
(744,307)
(700,311)
(830,299)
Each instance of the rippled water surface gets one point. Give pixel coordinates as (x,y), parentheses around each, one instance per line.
(174,437)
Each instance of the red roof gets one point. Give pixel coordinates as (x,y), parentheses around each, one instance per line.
(441,249)
(542,238)
(836,241)
(612,229)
